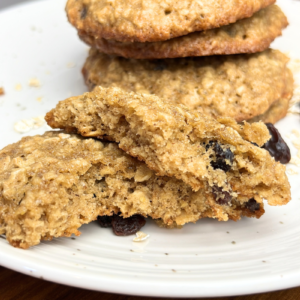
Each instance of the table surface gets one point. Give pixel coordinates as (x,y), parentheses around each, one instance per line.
(22,287)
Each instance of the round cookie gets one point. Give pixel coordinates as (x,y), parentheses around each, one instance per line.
(249,35)
(151,21)
(238,86)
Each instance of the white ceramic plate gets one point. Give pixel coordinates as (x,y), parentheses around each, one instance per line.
(209,258)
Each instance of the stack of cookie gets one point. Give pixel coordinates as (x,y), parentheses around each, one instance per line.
(133,43)
(164,161)
(157,158)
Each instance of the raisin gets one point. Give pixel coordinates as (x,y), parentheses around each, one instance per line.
(276,146)
(83,13)
(105,221)
(221,157)
(209,144)
(126,226)
(221,197)
(252,205)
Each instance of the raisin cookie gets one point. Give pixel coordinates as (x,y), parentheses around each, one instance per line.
(249,35)
(51,184)
(151,21)
(221,156)
(239,86)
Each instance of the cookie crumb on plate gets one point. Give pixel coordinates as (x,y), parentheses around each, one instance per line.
(140,236)
(28,124)
(34,82)
(18,87)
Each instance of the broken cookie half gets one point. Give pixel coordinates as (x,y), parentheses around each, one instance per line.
(220,157)
(51,184)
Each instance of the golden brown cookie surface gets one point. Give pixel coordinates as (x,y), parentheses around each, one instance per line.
(131,21)
(174,141)
(237,86)
(249,35)
(278,109)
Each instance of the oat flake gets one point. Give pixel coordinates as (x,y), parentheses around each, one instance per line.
(140,236)
(34,82)
(26,125)
(18,87)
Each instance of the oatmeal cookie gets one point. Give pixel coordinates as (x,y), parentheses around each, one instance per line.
(151,21)
(238,86)
(249,35)
(220,156)
(52,184)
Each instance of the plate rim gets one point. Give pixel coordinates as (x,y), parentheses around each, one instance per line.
(9,260)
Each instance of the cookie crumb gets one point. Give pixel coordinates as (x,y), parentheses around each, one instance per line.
(2,91)
(34,82)
(26,125)
(71,65)
(18,87)
(140,236)
(39,99)
(174,271)
(233,242)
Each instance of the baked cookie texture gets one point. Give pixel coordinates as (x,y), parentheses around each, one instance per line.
(218,156)
(238,86)
(51,184)
(278,109)
(151,21)
(249,35)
